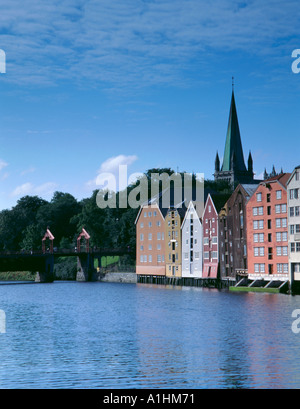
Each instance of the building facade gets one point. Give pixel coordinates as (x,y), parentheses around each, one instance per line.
(210,240)
(233,233)
(293,186)
(267,230)
(150,241)
(191,233)
(173,221)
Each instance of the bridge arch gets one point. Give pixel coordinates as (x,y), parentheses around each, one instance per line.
(48,238)
(86,240)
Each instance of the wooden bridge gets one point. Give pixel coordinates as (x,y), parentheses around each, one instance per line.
(42,261)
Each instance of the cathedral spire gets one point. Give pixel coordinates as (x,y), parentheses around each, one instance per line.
(233,144)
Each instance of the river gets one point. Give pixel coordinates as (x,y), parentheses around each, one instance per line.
(113,335)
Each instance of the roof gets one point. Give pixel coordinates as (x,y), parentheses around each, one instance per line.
(282,178)
(292,174)
(250,188)
(233,145)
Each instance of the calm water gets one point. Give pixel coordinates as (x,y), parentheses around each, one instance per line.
(102,335)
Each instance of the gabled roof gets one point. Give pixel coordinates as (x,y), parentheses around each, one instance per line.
(292,174)
(233,146)
(191,207)
(249,189)
(282,178)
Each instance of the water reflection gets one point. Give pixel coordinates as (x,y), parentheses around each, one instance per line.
(101,335)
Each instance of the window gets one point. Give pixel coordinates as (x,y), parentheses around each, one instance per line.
(255,224)
(278,251)
(258,197)
(279,268)
(141,237)
(150,259)
(145,259)
(284,222)
(284,236)
(158,236)
(150,236)
(277,208)
(142,248)
(261,224)
(256,268)
(256,251)
(150,247)
(158,223)
(255,211)
(297,228)
(298,247)
(278,194)
(196,255)
(145,214)
(154,213)
(150,214)
(186,256)
(284,251)
(206,255)
(261,237)
(283,208)
(158,247)
(141,258)
(285,268)
(150,224)
(292,212)
(214,254)
(142,225)
(158,258)
(297,212)
(209,209)
(261,210)
(278,236)
(255,238)
(292,247)
(278,223)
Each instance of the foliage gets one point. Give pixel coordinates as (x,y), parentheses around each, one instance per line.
(23,227)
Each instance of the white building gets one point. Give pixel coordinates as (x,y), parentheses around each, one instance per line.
(192,255)
(293,186)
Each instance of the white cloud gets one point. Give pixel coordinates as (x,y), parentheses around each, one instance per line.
(109,172)
(45,190)
(136,43)
(31,169)
(24,189)
(3,164)
(112,164)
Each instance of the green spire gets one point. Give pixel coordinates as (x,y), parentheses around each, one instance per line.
(233,145)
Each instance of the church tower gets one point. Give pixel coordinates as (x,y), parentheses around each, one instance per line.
(233,168)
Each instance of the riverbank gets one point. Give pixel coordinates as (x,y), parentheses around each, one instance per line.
(17,276)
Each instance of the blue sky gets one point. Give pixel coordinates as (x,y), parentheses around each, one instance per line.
(93,84)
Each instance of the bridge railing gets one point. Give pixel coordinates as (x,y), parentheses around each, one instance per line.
(56,250)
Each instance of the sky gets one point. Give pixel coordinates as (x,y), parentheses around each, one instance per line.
(93,84)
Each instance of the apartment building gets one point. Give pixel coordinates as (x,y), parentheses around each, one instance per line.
(293,197)
(191,233)
(233,233)
(267,229)
(150,241)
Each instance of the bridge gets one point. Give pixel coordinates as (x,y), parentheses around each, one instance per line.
(42,261)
